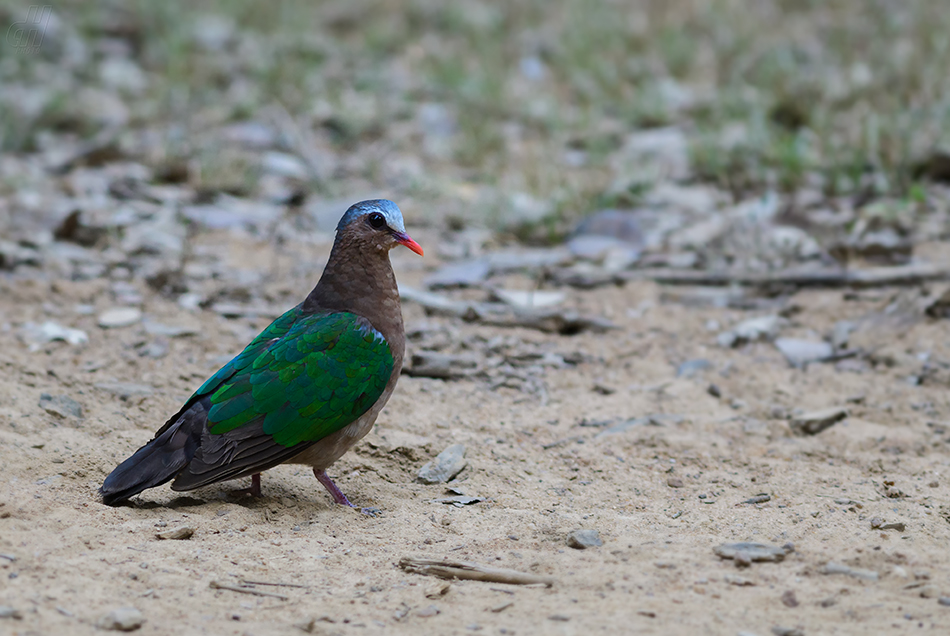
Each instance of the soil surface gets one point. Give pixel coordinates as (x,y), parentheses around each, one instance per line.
(602,434)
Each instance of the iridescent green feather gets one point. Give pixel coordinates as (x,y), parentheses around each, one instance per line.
(306,376)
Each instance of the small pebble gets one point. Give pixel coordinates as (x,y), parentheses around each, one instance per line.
(741,581)
(944,600)
(779,630)
(60,405)
(183,532)
(674,482)
(438,590)
(9,612)
(816,421)
(744,553)
(877,523)
(444,467)
(802,352)
(837,568)
(929,591)
(559,617)
(119,317)
(123,619)
(788,599)
(583,539)
(691,368)
(428,612)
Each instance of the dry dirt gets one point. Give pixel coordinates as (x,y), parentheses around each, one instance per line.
(68,560)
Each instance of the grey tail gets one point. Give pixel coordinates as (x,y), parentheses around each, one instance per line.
(159,461)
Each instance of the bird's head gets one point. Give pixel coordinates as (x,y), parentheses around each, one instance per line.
(377,223)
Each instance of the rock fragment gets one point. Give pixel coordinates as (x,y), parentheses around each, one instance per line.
(10,612)
(691,368)
(60,405)
(802,352)
(529,299)
(583,539)
(444,467)
(837,568)
(180,533)
(119,317)
(760,328)
(123,619)
(789,599)
(745,553)
(816,421)
(37,335)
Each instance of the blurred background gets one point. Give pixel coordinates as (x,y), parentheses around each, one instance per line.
(625,207)
(821,126)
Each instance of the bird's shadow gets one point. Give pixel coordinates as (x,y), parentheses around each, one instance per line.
(174,504)
(238,499)
(211,495)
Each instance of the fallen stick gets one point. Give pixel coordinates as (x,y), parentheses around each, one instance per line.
(869,277)
(246,582)
(471,571)
(214,585)
(501,315)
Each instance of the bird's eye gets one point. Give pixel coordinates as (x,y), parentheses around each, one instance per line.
(376,220)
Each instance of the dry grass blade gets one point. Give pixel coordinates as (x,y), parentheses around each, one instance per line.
(471,571)
(215,585)
(246,582)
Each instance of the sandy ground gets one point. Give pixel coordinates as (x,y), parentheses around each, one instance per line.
(68,560)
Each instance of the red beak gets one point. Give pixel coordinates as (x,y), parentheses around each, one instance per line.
(405,239)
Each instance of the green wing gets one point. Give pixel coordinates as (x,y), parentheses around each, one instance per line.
(305,376)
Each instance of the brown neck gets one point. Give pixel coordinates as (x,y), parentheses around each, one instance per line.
(359,279)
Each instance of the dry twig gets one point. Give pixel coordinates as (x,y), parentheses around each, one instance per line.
(501,315)
(869,277)
(471,571)
(214,585)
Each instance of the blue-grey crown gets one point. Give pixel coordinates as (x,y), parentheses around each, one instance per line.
(387,208)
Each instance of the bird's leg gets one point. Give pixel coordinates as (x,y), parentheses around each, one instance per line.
(254,490)
(335,492)
(338,495)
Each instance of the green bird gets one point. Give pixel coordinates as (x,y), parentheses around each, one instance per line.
(306,389)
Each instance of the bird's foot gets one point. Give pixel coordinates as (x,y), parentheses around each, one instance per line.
(254,490)
(335,492)
(372,512)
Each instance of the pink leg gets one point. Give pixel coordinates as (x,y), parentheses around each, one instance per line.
(254,490)
(336,493)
